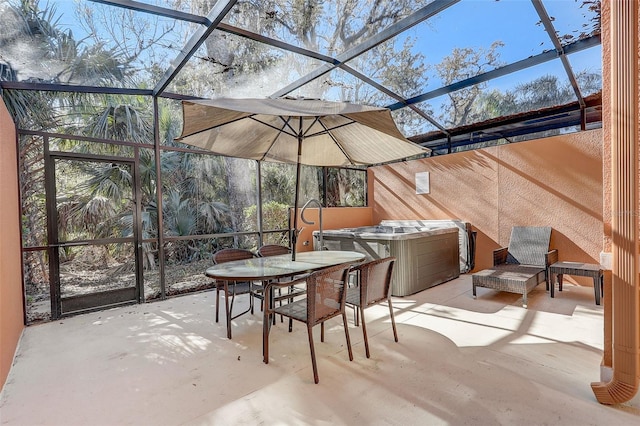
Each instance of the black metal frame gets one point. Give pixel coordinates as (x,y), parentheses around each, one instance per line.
(213,21)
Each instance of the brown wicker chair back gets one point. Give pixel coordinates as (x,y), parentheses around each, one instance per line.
(230,254)
(272,250)
(326,294)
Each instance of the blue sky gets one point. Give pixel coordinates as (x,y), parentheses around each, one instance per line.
(478,23)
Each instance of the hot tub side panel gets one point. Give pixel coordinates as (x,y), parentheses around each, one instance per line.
(424,262)
(421,262)
(372,249)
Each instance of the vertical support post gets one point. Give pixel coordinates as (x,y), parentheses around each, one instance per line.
(136,187)
(294,232)
(156,145)
(259,203)
(53,250)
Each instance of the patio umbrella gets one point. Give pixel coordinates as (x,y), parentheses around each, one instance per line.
(297,131)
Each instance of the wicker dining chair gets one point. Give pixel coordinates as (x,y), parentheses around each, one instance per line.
(273,250)
(325,299)
(232,288)
(276,250)
(373,287)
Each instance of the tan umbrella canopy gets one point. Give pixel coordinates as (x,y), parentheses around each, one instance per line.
(296,131)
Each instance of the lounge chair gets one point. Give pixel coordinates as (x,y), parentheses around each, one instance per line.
(521,266)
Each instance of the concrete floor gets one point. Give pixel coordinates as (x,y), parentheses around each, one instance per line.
(459,361)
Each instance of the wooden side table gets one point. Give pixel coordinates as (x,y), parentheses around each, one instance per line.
(580,269)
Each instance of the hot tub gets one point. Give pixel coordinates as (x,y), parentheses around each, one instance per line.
(466,236)
(425,258)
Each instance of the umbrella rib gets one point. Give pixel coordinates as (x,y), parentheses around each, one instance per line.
(293,133)
(275,138)
(252,117)
(338,144)
(286,125)
(210,128)
(315,120)
(279,129)
(328,130)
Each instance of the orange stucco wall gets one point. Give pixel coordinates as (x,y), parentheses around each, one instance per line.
(332,218)
(555,182)
(11,304)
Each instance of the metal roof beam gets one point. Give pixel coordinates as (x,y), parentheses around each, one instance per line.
(156,10)
(202,20)
(502,71)
(415,18)
(53,87)
(216,15)
(393,95)
(551,31)
(56,87)
(276,43)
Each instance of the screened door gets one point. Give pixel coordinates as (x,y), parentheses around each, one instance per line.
(94,233)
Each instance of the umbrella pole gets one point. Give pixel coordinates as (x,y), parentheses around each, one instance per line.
(294,234)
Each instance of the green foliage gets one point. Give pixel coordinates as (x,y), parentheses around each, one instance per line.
(278,183)
(274,216)
(461,64)
(543,92)
(122,122)
(346,188)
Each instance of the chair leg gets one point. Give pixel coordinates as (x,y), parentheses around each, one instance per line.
(266,322)
(346,333)
(364,332)
(313,354)
(393,320)
(255,294)
(217,301)
(261,298)
(251,297)
(228,308)
(290,301)
(322,331)
(356,315)
(281,316)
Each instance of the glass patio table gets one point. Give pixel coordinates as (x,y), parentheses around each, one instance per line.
(271,268)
